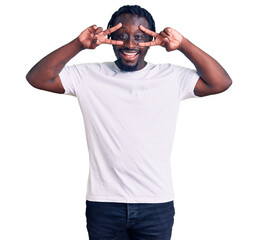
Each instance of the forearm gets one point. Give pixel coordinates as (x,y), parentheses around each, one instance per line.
(48,68)
(212,73)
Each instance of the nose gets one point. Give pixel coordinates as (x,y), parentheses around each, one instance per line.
(130,42)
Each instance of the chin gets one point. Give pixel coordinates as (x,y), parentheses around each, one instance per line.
(129,68)
(126,67)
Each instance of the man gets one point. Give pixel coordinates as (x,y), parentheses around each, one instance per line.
(130,109)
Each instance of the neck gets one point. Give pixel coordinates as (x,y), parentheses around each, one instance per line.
(126,68)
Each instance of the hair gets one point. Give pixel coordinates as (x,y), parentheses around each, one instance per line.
(133,10)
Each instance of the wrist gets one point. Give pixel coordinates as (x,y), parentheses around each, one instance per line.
(78,45)
(183,45)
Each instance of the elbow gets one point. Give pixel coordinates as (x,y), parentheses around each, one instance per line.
(223,85)
(227,83)
(29,78)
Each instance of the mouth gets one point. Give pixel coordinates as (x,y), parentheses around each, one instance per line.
(129,55)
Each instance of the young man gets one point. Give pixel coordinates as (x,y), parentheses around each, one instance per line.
(130,110)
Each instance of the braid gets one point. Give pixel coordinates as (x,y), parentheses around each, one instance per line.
(134,10)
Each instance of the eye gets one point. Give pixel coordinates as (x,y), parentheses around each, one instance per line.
(123,36)
(139,37)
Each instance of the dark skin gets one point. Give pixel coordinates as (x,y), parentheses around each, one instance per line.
(45,74)
(130,56)
(131,41)
(213,78)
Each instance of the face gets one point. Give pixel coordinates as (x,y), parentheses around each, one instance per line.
(130,57)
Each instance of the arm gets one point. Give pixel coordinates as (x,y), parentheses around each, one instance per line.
(213,78)
(45,74)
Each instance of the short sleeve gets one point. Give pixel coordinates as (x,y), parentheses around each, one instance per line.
(187,84)
(70,77)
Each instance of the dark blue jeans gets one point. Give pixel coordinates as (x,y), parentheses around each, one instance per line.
(122,221)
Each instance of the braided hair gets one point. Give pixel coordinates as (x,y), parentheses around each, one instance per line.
(133,10)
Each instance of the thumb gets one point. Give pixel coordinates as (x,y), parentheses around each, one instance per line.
(98,30)
(92,28)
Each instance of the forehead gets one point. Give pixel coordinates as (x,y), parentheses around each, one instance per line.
(129,20)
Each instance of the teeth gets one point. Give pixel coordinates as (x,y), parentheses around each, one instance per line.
(129,54)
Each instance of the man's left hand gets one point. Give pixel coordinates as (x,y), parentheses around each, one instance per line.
(168,38)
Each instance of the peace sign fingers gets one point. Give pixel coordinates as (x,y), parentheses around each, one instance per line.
(148,31)
(113,42)
(112,29)
(93,36)
(168,38)
(109,31)
(158,38)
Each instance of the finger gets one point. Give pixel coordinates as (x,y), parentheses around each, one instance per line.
(165,42)
(148,44)
(164,35)
(148,31)
(98,30)
(168,30)
(113,42)
(112,29)
(94,43)
(92,28)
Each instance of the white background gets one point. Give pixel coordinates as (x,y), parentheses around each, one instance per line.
(44,158)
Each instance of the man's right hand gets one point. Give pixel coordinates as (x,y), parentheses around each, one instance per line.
(93,36)
(45,74)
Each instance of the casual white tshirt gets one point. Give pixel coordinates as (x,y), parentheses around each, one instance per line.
(130,120)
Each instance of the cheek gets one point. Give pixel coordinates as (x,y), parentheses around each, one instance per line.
(113,36)
(116,49)
(148,38)
(144,51)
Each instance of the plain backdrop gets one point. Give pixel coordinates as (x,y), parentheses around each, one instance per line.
(43,150)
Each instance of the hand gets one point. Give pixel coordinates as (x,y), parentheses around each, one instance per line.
(168,38)
(92,36)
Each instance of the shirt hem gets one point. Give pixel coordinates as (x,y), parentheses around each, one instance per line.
(129,200)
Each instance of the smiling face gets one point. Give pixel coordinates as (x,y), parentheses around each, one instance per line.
(130,57)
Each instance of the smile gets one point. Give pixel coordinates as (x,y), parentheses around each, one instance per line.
(129,55)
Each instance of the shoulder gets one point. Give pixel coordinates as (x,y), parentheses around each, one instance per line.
(104,67)
(88,66)
(165,69)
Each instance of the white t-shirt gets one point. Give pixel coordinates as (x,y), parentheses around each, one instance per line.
(130,120)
